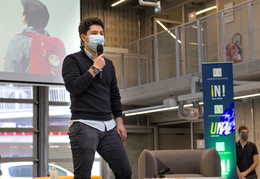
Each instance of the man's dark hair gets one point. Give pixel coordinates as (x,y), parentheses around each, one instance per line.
(36,13)
(86,23)
(242,128)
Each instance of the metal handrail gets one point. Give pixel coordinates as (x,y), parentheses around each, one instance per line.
(150,46)
(188,23)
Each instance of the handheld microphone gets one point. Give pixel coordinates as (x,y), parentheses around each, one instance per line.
(161,173)
(100,50)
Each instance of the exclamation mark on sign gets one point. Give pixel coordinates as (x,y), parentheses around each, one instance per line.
(223,166)
(228,165)
(212,91)
(223,90)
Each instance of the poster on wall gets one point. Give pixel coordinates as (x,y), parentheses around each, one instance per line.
(219,114)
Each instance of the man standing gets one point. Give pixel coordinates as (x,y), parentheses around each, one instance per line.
(94,100)
(247,155)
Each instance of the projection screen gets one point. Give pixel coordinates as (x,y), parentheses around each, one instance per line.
(37,61)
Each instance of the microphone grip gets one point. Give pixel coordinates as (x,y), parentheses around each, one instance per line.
(99,52)
(161,173)
(100,74)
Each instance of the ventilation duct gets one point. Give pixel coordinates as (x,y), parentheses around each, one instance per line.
(153,4)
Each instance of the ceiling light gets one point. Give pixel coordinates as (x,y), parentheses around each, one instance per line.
(167,30)
(152,110)
(116,3)
(206,10)
(195,27)
(195,43)
(247,96)
(159,108)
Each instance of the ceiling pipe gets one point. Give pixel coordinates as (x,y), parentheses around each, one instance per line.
(154,4)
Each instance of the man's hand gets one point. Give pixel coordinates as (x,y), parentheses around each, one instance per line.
(120,128)
(241,175)
(99,62)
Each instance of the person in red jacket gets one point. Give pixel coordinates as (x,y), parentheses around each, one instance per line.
(34,51)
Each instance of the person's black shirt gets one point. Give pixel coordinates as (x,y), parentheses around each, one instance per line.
(245,156)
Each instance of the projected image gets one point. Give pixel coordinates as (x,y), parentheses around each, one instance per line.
(37,37)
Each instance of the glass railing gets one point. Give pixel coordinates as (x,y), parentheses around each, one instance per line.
(227,35)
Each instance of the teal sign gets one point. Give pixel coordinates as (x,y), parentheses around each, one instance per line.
(219,114)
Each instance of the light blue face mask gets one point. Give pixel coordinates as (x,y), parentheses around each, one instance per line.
(94,41)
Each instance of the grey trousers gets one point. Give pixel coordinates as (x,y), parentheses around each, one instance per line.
(85,141)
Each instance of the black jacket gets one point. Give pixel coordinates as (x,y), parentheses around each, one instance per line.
(91,98)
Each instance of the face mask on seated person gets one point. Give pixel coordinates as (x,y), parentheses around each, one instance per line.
(94,41)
